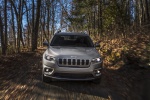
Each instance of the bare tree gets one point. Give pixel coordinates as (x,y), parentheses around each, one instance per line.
(13,27)
(36,26)
(5,18)
(19,14)
(2,36)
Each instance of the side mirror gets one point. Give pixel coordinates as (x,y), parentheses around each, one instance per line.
(45,44)
(97,45)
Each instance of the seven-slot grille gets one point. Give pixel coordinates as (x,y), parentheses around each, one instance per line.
(73,62)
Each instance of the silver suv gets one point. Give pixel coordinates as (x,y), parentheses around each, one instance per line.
(71,56)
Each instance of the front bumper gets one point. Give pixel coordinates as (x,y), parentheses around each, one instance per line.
(70,76)
(68,73)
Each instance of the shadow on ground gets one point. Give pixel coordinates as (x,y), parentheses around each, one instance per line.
(21,79)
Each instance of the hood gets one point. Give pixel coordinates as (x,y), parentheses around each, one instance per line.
(89,52)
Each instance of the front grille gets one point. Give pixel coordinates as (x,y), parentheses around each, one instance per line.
(73,62)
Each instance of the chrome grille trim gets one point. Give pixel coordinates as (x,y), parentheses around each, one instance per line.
(72,62)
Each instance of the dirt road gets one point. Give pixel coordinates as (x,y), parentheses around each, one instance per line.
(20,78)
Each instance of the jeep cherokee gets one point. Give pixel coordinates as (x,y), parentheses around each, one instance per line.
(71,56)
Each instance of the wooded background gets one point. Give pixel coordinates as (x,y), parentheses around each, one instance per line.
(28,23)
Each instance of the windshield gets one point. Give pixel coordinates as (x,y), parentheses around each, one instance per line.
(71,40)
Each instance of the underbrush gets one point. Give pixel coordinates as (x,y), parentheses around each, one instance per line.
(119,51)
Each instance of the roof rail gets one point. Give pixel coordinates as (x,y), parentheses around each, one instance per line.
(85,32)
(58,31)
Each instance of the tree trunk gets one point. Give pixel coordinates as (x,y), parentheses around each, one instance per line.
(13,27)
(2,36)
(53,18)
(5,18)
(33,36)
(147,11)
(20,21)
(28,27)
(34,44)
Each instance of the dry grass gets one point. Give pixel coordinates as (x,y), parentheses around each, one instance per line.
(119,51)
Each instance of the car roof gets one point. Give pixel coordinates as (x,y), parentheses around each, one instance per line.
(72,33)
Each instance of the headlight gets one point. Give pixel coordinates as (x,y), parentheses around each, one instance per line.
(97,60)
(50,58)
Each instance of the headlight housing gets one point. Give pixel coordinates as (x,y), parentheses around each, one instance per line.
(96,60)
(50,58)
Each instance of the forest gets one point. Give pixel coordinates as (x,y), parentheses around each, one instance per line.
(28,23)
(121,26)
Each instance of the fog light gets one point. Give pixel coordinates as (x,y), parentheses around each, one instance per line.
(48,71)
(97,72)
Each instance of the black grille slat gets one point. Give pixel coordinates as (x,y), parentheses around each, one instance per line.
(73,62)
(69,61)
(82,62)
(65,62)
(78,61)
(87,62)
(60,61)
